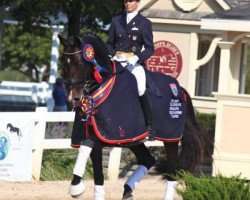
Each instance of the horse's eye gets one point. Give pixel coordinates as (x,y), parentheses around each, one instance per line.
(68,60)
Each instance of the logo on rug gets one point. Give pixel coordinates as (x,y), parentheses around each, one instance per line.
(121,131)
(174,89)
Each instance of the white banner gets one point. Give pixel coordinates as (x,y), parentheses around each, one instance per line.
(16,148)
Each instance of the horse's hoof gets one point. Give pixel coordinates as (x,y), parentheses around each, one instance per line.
(77,190)
(128,197)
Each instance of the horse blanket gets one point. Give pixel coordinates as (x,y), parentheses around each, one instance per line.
(119,118)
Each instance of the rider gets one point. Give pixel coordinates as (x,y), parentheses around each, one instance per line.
(129,33)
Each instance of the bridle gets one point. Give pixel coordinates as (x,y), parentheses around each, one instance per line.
(86,87)
(73,53)
(72,81)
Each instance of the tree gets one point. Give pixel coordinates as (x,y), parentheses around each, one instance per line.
(27,47)
(26,52)
(80,13)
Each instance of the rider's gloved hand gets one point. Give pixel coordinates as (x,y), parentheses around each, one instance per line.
(132,60)
(120,58)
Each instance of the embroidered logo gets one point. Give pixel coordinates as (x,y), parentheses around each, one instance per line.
(121,132)
(174,89)
(134,29)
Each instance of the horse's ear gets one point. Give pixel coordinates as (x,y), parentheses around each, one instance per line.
(62,40)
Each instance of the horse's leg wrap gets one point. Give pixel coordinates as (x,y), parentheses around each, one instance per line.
(170,190)
(81,161)
(137,176)
(99,192)
(77,187)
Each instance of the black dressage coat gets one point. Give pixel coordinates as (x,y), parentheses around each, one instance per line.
(131,37)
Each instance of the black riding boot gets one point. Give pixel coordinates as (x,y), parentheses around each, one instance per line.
(147,111)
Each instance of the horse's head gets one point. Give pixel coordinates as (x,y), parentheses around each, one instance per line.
(83,58)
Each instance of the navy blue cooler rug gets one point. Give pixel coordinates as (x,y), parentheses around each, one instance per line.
(119,118)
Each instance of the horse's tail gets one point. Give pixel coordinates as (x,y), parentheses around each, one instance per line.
(193,144)
(194,140)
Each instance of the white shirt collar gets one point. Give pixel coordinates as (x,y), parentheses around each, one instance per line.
(130,16)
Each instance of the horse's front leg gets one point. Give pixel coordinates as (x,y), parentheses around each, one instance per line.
(77,187)
(145,162)
(86,145)
(96,157)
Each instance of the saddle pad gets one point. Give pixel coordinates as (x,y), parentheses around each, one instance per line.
(119,119)
(169,109)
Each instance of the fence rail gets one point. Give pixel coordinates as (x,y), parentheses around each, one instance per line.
(40,143)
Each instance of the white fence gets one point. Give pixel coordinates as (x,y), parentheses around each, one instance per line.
(41,117)
(37,91)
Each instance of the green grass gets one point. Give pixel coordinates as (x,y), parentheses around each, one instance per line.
(59,164)
(216,188)
(11,75)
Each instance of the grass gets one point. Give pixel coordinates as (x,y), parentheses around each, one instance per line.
(59,164)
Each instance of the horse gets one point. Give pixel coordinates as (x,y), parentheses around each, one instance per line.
(108,113)
(16,130)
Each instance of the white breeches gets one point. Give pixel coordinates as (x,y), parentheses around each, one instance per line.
(138,72)
(140,76)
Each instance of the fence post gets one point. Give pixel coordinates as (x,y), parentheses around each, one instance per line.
(114,163)
(38,140)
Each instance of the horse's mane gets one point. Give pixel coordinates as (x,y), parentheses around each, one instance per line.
(101,53)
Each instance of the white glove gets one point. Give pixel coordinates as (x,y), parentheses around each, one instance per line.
(132,60)
(121,58)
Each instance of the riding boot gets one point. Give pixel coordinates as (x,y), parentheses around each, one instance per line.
(147,111)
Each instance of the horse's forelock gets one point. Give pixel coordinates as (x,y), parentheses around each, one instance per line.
(101,54)
(74,40)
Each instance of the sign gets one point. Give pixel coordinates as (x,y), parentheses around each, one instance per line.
(167,59)
(16,148)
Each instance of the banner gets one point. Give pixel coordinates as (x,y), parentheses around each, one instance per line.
(16,148)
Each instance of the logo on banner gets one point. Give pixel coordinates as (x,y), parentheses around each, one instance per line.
(167,59)
(4,145)
(14,130)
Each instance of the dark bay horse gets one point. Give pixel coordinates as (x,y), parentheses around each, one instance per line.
(108,113)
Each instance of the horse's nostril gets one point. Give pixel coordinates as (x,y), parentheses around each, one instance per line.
(76,99)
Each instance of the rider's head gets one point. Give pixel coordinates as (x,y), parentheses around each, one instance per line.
(131,5)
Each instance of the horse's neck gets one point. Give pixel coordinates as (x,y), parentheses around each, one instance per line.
(109,66)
